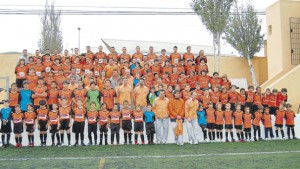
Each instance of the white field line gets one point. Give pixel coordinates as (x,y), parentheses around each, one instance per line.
(133,157)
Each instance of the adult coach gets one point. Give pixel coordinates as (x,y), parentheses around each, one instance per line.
(24,56)
(160,109)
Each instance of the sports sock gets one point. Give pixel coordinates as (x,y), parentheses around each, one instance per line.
(125,137)
(142,138)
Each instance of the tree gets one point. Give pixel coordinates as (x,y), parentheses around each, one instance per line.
(243,33)
(214,15)
(51,34)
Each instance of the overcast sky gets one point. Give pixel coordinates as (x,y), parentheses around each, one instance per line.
(18,32)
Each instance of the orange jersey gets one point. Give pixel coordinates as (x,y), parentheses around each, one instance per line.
(79,114)
(233,97)
(112,56)
(138,116)
(267,120)
(65,94)
(175,58)
(250,96)
(247,120)
(42,114)
(108,97)
(126,114)
(53,117)
(32,79)
(185,95)
(39,90)
(228,117)
(272,100)
(238,118)
(64,112)
(204,81)
(257,119)
(215,96)
(215,81)
(279,116)
(224,98)
(192,81)
(210,115)
(101,55)
(138,56)
(290,118)
(205,99)
(199,93)
(17,117)
(13,98)
(103,116)
(92,116)
(53,96)
(257,99)
(79,94)
(29,117)
(21,72)
(124,56)
(219,117)
(241,99)
(110,70)
(115,117)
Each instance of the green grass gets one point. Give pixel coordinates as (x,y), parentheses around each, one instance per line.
(286,160)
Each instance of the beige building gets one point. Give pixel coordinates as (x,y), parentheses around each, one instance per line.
(283,48)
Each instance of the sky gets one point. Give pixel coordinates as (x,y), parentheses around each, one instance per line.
(18,32)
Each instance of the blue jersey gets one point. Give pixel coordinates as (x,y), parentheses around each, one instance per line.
(25,99)
(201,117)
(5,113)
(149,116)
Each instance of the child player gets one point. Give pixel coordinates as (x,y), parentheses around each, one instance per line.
(64,117)
(238,123)
(126,114)
(115,124)
(219,121)
(92,123)
(103,127)
(280,113)
(79,121)
(247,117)
(211,119)
(17,118)
(149,119)
(54,124)
(5,117)
(228,121)
(202,121)
(42,118)
(267,120)
(138,115)
(290,120)
(30,117)
(256,122)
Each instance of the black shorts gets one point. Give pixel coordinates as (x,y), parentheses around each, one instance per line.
(103,128)
(211,126)
(203,126)
(279,125)
(12,108)
(43,125)
(289,125)
(35,108)
(219,126)
(273,110)
(18,128)
(78,127)
(53,128)
(19,83)
(256,127)
(127,125)
(139,126)
(29,128)
(64,124)
(114,128)
(150,128)
(6,128)
(228,126)
(247,130)
(92,127)
(238,127)
(232,106)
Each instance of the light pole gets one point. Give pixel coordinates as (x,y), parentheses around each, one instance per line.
(79,38)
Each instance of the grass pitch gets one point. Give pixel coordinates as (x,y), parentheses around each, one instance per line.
(262,154)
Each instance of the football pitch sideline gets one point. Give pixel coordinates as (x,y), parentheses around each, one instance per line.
(262,154)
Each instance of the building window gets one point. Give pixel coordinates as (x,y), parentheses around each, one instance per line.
(295,40)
